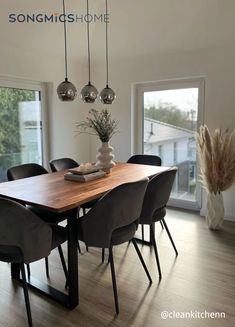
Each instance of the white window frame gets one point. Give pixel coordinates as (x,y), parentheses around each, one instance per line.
(19,83)
(137,119)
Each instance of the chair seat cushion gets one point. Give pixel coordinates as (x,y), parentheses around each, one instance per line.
(123,234)
(119,236)
(59,235)
(48,216)
(159,214)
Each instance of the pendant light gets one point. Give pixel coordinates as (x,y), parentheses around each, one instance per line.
(66,90)
(107,95)
(89,91)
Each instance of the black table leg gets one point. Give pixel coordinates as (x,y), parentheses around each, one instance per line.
(73,258)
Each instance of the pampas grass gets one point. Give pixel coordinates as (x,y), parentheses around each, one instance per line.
(217,159)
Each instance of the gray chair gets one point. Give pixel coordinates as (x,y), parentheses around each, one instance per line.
(112,221)
(25,238)
(67,163)
(30,170)
(62,164)
(154,206)
(145,159)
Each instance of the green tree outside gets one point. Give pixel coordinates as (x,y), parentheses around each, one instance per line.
(9,122)
(170,114)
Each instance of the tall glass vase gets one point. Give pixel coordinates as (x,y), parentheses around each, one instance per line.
(105,157)
(215,210)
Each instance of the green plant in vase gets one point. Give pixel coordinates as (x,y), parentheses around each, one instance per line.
(101,124)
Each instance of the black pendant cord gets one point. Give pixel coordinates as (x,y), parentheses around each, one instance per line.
(107,60)
(65,44)
(88,44)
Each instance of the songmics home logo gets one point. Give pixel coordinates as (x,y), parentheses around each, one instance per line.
(57,18)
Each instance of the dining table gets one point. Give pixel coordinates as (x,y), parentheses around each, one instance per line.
(52,192)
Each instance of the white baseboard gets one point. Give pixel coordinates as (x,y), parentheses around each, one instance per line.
(228,215)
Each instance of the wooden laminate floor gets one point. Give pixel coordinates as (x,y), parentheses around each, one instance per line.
(201,279)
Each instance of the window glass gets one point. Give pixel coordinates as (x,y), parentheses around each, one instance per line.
(20,128)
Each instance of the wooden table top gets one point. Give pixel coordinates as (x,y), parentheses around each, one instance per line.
(52,192)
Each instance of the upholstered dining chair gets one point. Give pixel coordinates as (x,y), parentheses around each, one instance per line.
(30,170)
(25,238)
(67,163)
(154,206)
(112,221)
(145,159)
(62,164)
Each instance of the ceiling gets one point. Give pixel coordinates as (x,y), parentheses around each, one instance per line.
(137,27)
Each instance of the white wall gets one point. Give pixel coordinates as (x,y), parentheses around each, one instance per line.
(217,65)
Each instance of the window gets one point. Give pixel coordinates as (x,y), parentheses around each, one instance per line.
(175,153)
(22,130)
(160,153)
(165,118)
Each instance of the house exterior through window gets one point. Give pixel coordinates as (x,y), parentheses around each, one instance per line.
(168,115)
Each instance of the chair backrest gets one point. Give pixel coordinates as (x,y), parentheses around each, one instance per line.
(21,228)
(62,163)
(157,195)
(145,159)
(25,170)
(119,207)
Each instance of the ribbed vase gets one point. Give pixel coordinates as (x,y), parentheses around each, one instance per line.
(105,157)
(215,210)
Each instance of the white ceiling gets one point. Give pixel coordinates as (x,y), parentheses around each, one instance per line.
(136,27)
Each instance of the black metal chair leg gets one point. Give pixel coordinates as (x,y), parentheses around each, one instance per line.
(142,232)
(169,234)
(28,270)
(47,267)
(156,252)
(162,224)
(152,234)
(79,249)
(26,295)
(84,212)
(113,279)
(63,262)
(141,259)
(103,252)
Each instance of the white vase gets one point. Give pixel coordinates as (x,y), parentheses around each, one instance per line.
(105,157)
(215,210)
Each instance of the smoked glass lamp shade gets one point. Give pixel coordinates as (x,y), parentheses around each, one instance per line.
(107,95)
(89,93)
(66,91)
